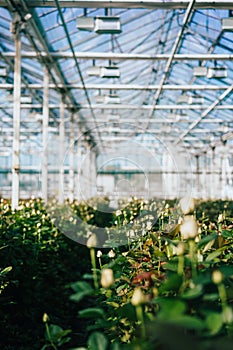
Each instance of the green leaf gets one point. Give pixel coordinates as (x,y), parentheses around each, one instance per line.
(210,297)
(171,307)
(216,253)
(91,312)
(226,234)
(213,322)
(172,284)
(127,311)
(54,330)
(115,346)
(113,304)
(171,265)
(226,270)
(188,322)
(82,288)
(6,270)
(193,293)
(97,341)
(206,240)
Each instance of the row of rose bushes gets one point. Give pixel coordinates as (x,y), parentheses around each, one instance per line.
(154,268)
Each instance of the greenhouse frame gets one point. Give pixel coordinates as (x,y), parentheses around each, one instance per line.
(116,175)
(116,98)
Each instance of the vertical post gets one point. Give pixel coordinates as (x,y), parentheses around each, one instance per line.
(71,160)
(197,175)
(92,174)
(87,170)
(45,136)
(212,183)
(224,172)
(16,120)
(204,182)
(61,151)
(79,145)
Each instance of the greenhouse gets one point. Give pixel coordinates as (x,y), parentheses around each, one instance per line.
(116,175)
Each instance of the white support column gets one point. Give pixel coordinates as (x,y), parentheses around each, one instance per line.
(61,152)
(79,164)
(71,160)
(212,177)
(204,178)
(45,136)
(16,122)
(223,173)
(87,171)
(197,175)
(93,173)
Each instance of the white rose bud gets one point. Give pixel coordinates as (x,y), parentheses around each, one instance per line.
(227,315)
(220,218)
(92,241)
(180,248)
(138,297)
(107,278)
(189,228)
(99,254)
(187,205)
(111,254)
(217,277)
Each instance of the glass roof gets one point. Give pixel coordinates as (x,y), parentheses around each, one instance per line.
(157,51)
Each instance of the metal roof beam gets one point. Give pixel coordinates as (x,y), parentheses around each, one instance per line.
(213,106)
(121,56)
(153,4)
(123,106)
(120,86)
(168,66)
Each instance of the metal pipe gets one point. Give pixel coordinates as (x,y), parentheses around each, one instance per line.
(16,120)
(61,152)
(121,56)
(71,160)
(121,86)
(153,4)
(44,172)
(122,106)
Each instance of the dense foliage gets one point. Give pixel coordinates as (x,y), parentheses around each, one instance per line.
(169,286)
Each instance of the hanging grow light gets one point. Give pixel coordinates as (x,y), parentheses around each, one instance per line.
(114,129)
(3,71)
(227,24)
(194,99)
(26,99)
(104,72)
(94,71)
(108,99)
(223,128)
(85,23)
(184,99)
(101,25)
(114,118)
(178,117)
(109,72)
(200,71)
(211,72)
(107,25)
(217,72)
